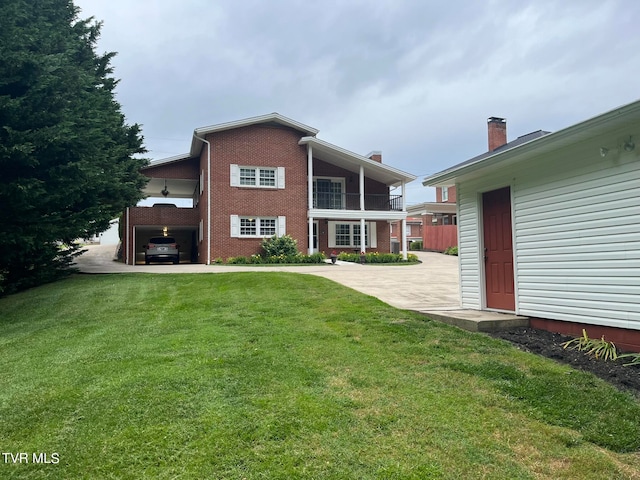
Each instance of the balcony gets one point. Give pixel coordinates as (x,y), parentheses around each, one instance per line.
(351,201)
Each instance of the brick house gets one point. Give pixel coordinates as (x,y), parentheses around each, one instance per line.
(438,220)
(264,176)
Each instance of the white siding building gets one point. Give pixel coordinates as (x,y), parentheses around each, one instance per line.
(563,246)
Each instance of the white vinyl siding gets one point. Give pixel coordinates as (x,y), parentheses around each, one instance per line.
(469,249)
(578,249)
(257,177)
(576,221)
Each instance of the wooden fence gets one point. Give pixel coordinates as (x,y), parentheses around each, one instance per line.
(438,238)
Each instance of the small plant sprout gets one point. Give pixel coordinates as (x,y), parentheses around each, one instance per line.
(599,348)
(635,358)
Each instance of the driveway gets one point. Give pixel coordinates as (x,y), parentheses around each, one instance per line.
(430,286)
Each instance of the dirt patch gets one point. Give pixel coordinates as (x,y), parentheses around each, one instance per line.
(549,345)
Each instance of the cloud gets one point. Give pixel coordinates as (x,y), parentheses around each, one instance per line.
(416,80)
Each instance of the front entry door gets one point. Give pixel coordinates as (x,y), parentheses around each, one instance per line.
(498,249)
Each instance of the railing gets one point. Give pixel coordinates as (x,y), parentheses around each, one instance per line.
(351,201)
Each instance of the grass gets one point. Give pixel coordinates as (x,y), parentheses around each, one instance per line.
(280,376)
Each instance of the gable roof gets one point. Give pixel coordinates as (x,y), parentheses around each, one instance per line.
(322,150)
(536,143)
(338,156)
(269,119)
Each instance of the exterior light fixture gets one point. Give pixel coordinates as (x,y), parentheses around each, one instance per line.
(629,146)
(604,151)
(164,191)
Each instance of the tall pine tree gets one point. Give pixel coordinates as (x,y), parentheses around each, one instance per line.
(68,160)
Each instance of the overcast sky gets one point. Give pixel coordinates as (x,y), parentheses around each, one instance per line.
(415,79)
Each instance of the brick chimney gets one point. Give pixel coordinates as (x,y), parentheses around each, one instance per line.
(375,156)
(497,128)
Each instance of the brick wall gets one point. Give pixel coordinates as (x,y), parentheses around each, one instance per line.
(451,192)
(154,219)
(256,146)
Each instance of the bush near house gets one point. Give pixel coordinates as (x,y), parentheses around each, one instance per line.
(377,257)
(451,251)
(417,245)
(276,246)
(276,250)
(297,258)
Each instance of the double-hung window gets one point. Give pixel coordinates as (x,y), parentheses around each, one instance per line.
(348,234)
(260,177)
(257,227)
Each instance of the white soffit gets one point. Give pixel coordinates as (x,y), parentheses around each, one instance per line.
(352,161)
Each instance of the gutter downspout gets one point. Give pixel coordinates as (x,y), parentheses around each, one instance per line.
(127,239)
(208,197)
(310,196)
(363,247)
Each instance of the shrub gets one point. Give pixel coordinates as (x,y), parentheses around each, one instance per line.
(376,257)
(276,246)
(238,260)
(297,258)
(417,245)
(451,251)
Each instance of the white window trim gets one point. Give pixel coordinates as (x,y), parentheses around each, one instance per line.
(278,171)
(371,227)
(445,194)
(343,187)
(281,226)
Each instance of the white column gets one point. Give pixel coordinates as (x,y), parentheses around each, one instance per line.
(363,246)
(404,238)
(310,195)
(361,187)
(404,221)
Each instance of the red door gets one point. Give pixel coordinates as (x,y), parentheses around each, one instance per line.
(498,249)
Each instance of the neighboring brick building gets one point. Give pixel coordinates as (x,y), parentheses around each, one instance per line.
(266,176)
(432,223)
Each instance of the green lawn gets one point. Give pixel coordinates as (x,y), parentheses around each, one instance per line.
(280,376)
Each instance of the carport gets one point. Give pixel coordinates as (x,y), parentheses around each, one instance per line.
(186,237)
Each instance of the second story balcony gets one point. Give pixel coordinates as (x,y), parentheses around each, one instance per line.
(351,201)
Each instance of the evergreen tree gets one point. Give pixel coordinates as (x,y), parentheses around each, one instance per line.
(68,161)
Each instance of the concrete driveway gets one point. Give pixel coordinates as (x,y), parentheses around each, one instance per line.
(431,286)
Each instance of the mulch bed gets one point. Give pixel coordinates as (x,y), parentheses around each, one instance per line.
(549,344)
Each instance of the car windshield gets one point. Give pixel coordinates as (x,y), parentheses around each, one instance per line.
(162,240)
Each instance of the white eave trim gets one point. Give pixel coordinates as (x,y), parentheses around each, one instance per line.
(350,157)
(271,117)
(164,161)
(332,214)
